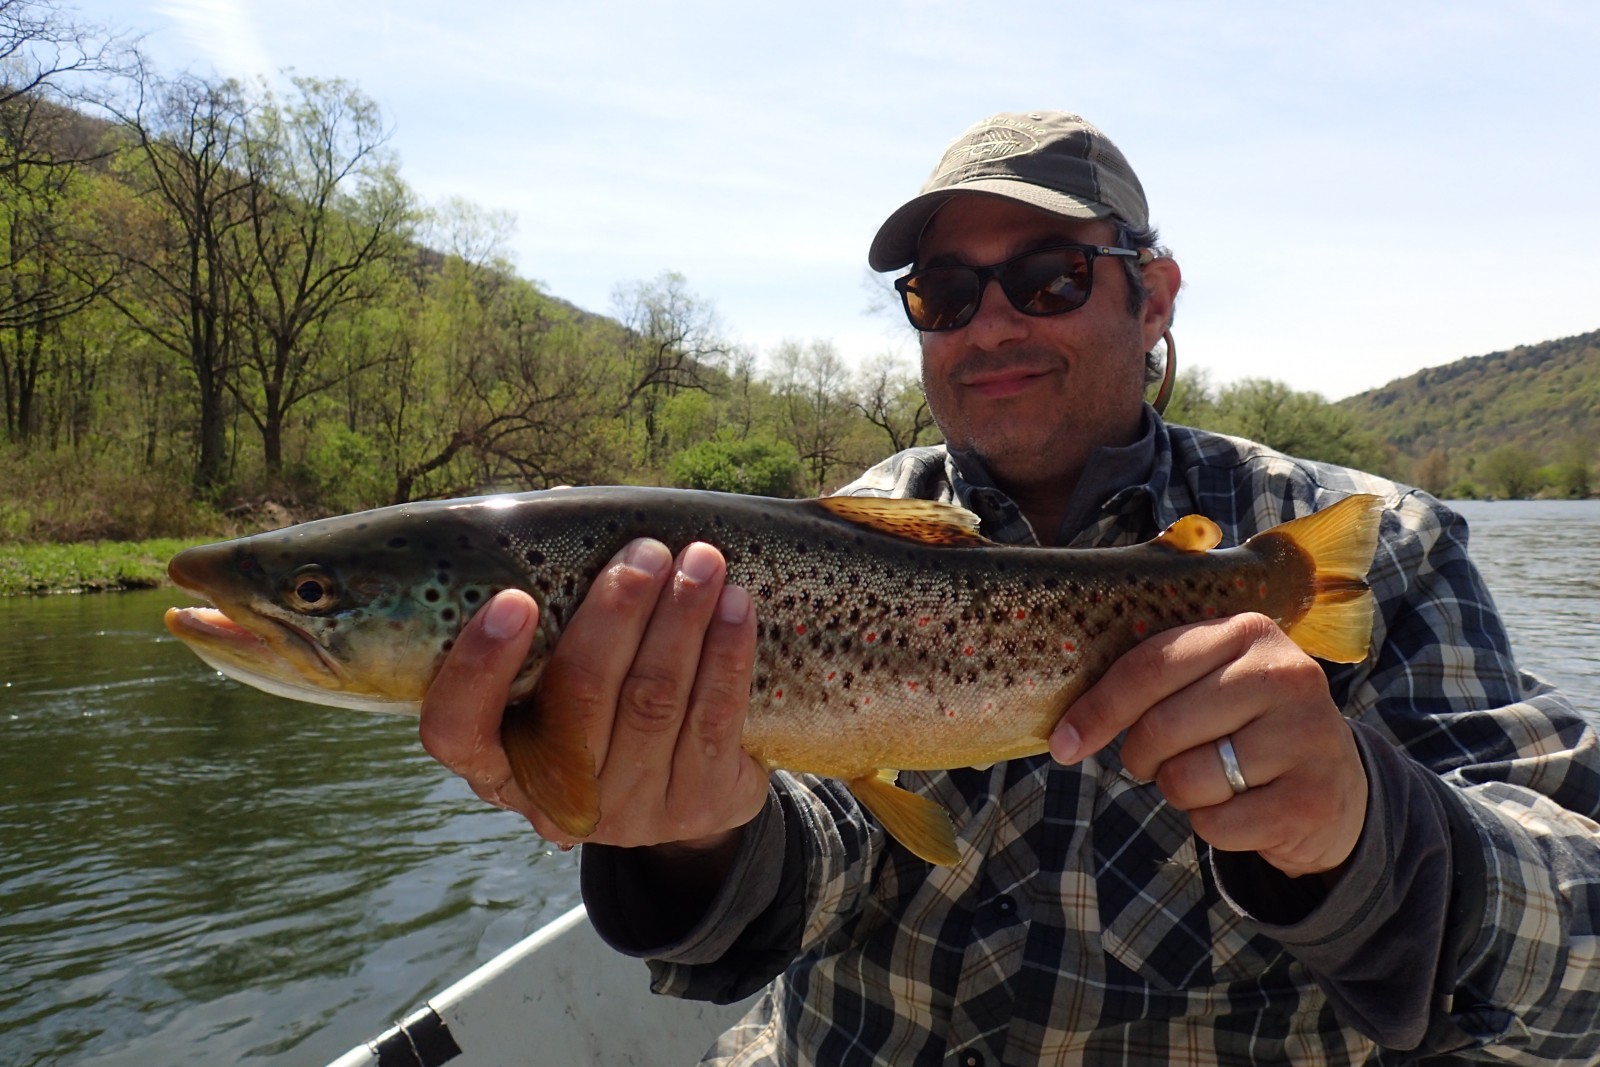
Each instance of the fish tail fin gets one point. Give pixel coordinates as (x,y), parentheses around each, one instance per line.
(916,822)
(551,762)
(1340,542)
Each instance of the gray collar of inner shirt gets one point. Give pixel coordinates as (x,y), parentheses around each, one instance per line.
(1109,471)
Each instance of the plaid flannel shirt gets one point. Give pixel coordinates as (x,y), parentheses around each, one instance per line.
(1087,923)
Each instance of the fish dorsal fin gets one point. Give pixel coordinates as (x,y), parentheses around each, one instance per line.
(925,521)
(1192,533)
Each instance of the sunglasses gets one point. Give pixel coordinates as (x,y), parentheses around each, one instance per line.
(1046,281)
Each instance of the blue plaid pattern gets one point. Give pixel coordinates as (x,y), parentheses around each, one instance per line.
(1086,923)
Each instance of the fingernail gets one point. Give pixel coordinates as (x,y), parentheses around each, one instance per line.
(733,605)
(646,555)
(505,617)
(699,563)
(1065,743)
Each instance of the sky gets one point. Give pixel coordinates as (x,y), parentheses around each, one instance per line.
(1354,191)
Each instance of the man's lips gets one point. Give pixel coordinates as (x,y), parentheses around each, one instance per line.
(997,385)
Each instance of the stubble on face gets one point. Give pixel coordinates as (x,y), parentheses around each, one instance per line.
(1032,397)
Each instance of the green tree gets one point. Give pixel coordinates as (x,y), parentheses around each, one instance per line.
(763,468)
(1298,423)
(329,219)
(1510,472)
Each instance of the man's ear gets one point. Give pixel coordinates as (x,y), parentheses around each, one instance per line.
(1162,279)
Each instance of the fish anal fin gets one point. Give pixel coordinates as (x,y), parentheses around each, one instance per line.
(1192,533)
(1339,543)
(925,521)
(914,821)
(551,762)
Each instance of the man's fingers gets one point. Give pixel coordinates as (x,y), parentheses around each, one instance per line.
(463,707)
(709,745)
(654,698)
(1147,674)
(597,647)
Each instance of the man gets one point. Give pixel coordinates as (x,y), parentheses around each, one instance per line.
(1232,854)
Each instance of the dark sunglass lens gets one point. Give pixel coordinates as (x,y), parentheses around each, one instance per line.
(940,298)
(1048,282)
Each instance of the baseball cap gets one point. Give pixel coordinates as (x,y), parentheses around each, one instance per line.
(1053,160)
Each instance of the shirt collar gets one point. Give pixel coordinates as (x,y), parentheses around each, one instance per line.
(1128,480)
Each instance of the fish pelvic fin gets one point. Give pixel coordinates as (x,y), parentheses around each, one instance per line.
(914,821)
(1339,542)
(925,521)
(551,762)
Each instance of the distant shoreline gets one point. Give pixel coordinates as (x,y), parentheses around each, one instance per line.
(88,567)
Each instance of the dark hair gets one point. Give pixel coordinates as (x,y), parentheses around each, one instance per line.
(1155,361)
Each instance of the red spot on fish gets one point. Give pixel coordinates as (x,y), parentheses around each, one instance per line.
(1021,614)
(967,651)
(1261,590)
(832,675)
(950,713)
(870,638)
(799,627)
(1211,611)
(1172,593)
(777,694)
(1068,646)
(1141,627)
(865,701)
(925,620)
(911,686)
(1238,583)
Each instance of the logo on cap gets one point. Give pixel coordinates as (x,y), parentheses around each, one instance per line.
(986,144)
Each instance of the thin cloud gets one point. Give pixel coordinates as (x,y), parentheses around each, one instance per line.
(222,31)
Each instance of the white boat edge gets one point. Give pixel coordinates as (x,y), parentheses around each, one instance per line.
(560,992)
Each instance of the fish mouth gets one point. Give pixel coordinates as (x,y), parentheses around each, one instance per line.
(255,648)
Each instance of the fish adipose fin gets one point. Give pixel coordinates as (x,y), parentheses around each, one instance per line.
(1339,542)
(1192,533)
(550,760)
(926,521)
(914,821)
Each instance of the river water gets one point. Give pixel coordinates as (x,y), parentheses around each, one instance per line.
(197,873)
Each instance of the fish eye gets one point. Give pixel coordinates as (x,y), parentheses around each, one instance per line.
(312,589)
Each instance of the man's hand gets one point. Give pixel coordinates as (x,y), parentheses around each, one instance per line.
(1181,691)
(657,662)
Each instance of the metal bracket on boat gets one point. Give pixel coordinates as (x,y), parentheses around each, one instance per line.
(420,1040)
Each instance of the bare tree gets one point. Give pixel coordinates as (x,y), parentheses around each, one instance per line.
(191,194)
(890,397)
(812,388)
(675,343)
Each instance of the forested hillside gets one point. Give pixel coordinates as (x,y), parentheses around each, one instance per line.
(1507,424)
(213,296)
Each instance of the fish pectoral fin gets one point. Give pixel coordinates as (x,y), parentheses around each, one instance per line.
(551,762)
(914,821)
(1192,533)
(926,521)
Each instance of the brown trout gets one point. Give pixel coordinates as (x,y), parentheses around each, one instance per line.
(892,636)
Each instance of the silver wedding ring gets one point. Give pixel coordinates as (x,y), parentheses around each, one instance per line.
(1230,765)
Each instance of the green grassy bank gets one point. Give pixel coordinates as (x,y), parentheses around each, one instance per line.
(86,567)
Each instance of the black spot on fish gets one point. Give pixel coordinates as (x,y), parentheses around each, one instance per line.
(449,643)
(866,665)
(431,596)
(765,591)
(797,664)
(543,584)
(534,556)
(755,548)
(901,611)
(848,678)
(988,663)
(503,541)
(900,642)
(788,602)
(442,578)
(949,626)
(568,585)
(800,548)
(816,642)
(448,614)
(855,614)
(761,683)
(588,541)
(471,596)
(1080,616)
(612,526)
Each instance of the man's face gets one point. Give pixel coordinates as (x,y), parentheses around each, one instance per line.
(1034,396)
